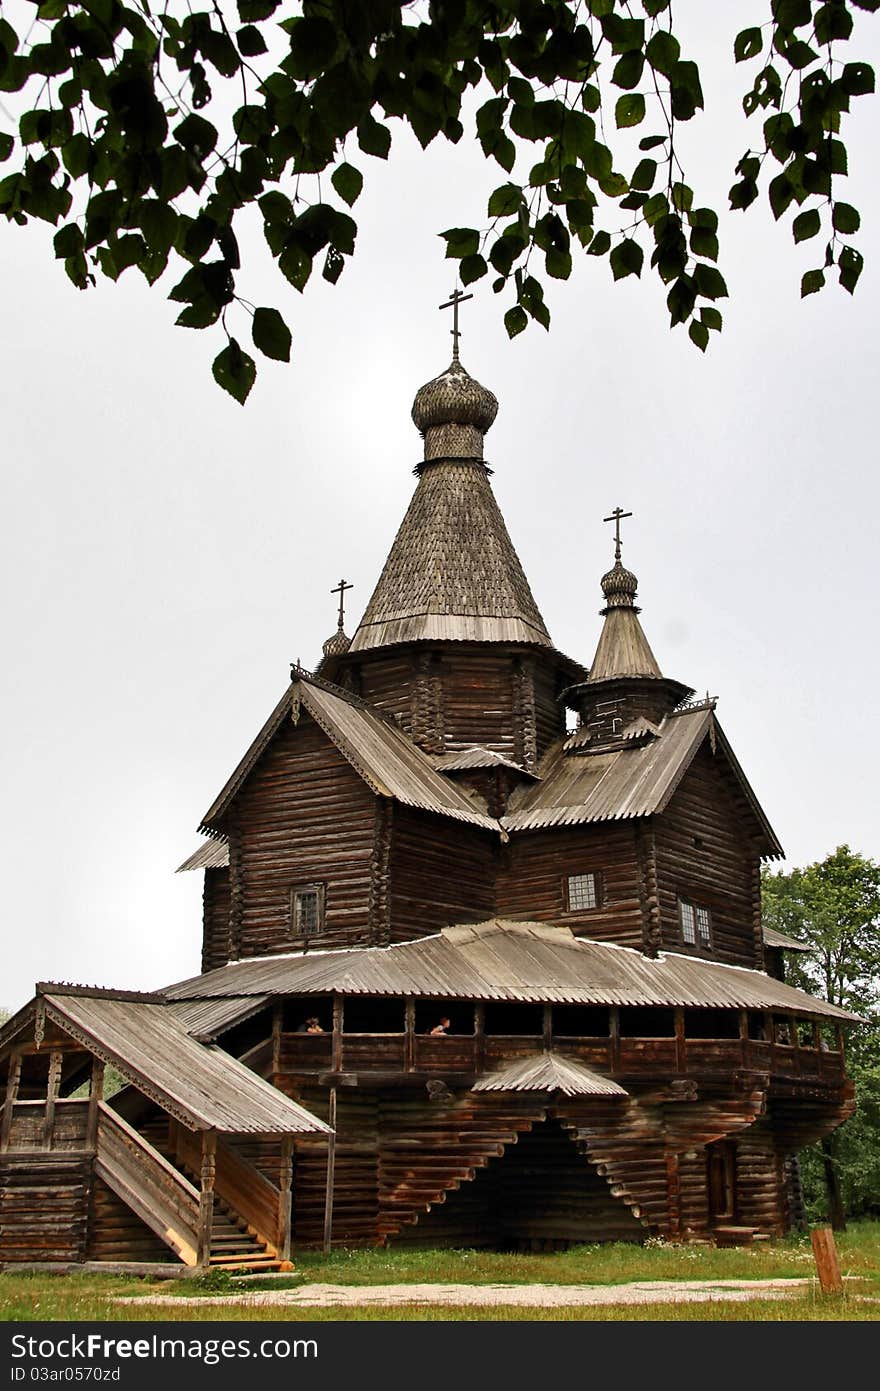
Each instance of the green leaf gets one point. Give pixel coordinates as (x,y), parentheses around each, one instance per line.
(650,142)
(709,282)
(271,334)
(655,208)
(599,245)
(68,241)
(781,192)
(850,263)
(643,177)
(472,268)
(250,41)
(682,197)
(806,225)
(812,281)
(629,110)
(348,182)
(196,135)
(558,264)
(628,69)
(833,22)
(373,137)
(515,320)
(857,79)
(799,54)
(711,317)
(845,218)
(663,51)
(698,334)
(235,371)
(7,145)
(461,241)
(506,200)
(704,243)
(626,259)
(747,44)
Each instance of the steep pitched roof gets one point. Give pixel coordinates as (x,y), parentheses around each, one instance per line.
(452,573)
(548,1072)
(503,960)
(626,782)
(387,760)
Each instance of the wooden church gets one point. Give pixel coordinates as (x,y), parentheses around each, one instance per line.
(483,960)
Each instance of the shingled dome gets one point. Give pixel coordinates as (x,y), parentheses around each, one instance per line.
(452,413)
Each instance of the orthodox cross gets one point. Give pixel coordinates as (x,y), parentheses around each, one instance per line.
(616,517)
(340,589)
(455,299)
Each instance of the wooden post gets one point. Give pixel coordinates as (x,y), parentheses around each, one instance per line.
(547,1021)
(206,1200)
(744,1036)
(55,1061)
(336,1044)
(838,1029)
(827,1264)
(817,1036)
(12,1085)
(96,1095)
(331,1171)
(673,1196)
(480,1037)
(285,1203)
(795,1042)
(409,1038)
(614,1039)
(277,1022)
(680,1042)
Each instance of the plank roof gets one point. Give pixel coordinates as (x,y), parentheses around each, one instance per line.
(504,960)
(548,1072)
(626,781)
(386,758)
(202,1086)
(772,938)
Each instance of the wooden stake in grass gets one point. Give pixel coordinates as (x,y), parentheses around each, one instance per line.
(827,1264)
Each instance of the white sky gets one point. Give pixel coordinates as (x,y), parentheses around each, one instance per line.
(166,553)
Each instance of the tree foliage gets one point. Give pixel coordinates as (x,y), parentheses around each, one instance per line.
(143,132)
(834,905)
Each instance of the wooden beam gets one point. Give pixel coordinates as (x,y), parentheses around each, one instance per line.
(96,1095)
(55,1061)
(331,1175)
(277,1023)
(614,1038)
(680,1041)
(547,1021)
(206,1199)
(12,1084)
(285,1204)
(480,1037)
(336,1043)
(409,1040)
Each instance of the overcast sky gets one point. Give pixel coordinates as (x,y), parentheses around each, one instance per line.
(166,553)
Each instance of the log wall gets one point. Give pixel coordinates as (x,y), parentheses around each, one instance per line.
(704,854)
(118,1234)
(216,901)
(535,866)
(287,832)
(44,1206)
(441,872)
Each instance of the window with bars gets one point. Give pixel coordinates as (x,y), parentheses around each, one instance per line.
(695,923)
(583,892)
(307,909)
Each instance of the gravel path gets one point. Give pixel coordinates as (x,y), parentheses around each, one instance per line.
(523,1296)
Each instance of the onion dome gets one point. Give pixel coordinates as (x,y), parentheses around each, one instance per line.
(337,645)
(619,587)
(452,413)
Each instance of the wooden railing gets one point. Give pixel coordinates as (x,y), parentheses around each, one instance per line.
(239,1183)
(144,1180)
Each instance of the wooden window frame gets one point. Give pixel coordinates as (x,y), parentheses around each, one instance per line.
(319,890)
(702,938)
(597,890)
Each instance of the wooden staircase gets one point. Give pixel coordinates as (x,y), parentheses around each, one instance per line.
(165,1198)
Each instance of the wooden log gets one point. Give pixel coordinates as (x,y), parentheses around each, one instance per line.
(827,1264)
(206,1197)
(331,1166)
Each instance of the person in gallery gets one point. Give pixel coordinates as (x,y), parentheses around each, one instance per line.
(312,1025)
(441,1027)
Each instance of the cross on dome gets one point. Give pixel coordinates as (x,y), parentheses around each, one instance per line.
(455,299)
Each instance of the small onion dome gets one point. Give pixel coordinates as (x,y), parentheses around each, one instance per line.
(337,645)
(619,587)
(452,413)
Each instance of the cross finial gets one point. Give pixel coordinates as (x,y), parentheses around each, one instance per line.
(616,517)
(455,299)
(340,589)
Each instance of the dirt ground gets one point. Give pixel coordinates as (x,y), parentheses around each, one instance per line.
(524,1296)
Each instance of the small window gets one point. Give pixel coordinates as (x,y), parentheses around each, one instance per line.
(307,910)
(583,892)
(695,923)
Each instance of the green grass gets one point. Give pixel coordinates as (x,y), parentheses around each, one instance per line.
(87,1297)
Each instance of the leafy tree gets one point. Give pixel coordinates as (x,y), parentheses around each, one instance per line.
(4,1015)
(834,906)
(115,144)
